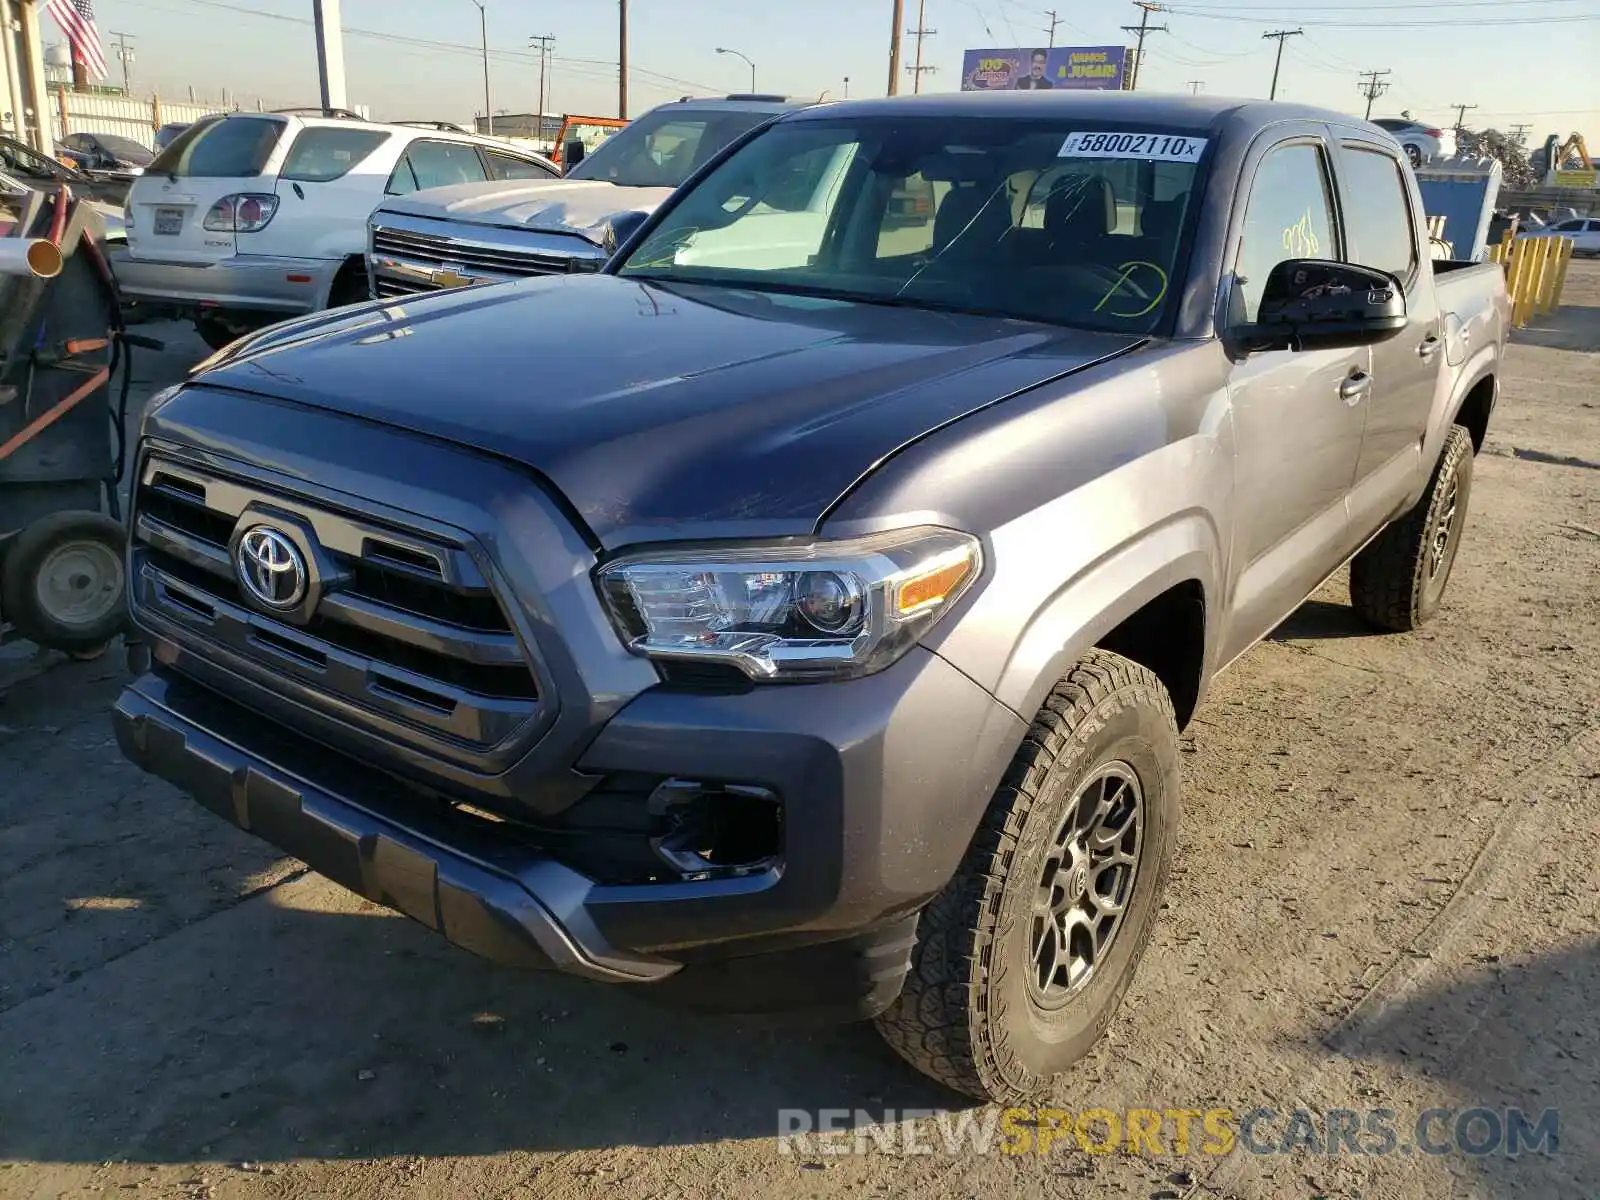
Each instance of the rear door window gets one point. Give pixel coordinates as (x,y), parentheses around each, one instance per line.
(327,153)
(506,166)
(439,164)
(230,148)
(1377,212)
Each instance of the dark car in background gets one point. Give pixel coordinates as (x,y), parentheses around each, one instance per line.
(27,165)
(107,153)
(168,134)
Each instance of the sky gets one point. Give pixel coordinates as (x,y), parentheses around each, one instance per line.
(1519,61)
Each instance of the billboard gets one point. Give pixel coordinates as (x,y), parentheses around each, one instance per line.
(1071,67)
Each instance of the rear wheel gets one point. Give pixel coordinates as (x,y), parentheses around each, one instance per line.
(1022,960)
(63,584)
(1397,582)
(220,329)
(350,285)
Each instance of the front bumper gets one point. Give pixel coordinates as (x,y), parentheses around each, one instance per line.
(249,282)
(882,781)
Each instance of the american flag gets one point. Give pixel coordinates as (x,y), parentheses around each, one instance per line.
(76,18)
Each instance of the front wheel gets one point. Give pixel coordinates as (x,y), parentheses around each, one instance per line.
(1023,959)
(1398,580)
(1415,155)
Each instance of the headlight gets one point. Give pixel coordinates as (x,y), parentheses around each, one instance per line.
(821,610)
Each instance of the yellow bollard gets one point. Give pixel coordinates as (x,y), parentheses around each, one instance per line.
(1547,275)
(1567,249)
(1541,263)
(1522,254)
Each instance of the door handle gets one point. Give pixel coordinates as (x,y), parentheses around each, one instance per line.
(1355,387)
(1430,347)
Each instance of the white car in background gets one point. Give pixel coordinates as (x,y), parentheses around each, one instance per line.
(1423,143)
(1582,232)
(249,218)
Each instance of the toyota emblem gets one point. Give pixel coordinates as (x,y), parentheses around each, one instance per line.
(271,567)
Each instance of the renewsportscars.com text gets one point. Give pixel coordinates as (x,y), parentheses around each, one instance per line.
(1170,1132)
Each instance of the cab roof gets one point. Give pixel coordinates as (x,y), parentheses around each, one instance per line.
(1180,112)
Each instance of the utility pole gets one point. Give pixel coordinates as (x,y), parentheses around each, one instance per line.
(1372,86)
(1461,114)
(1281,35)
(1050,29)
(1194,85)
(1145,7)
(1519,134)
(919,33)
(622,61)
(483,29)
(894,46)
(124,51)
(543,40)
(330,53)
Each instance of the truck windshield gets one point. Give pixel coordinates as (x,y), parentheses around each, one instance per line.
(1037,220)
(662,148)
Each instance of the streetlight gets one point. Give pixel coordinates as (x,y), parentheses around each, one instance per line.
(736,54)
(483,24)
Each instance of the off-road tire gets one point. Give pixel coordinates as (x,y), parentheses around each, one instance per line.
(966,1017)
(1393,585)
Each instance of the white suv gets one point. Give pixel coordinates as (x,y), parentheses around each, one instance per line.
(252,217)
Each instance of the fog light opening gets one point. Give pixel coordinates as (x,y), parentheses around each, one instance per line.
(717,830)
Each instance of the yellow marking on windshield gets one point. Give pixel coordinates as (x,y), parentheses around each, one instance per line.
(1127,269)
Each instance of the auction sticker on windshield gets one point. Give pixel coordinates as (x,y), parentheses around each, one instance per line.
(1163,147)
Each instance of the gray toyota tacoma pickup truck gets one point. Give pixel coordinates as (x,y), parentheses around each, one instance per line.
(801,613)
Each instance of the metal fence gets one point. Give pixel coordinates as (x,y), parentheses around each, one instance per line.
(130,116)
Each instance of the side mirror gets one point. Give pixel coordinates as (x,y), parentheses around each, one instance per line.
(572,154)
(1313,304)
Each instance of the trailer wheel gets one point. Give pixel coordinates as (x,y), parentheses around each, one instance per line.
(63,585)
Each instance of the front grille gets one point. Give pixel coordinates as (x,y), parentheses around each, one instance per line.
(390,288)
(431,252)
(408,637)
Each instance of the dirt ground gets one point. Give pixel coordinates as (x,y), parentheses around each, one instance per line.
(1385,898)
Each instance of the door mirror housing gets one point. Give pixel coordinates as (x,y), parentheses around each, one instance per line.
(572,154)
(1314,304)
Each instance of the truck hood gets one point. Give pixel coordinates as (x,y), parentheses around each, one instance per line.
(661,411)
(585,207)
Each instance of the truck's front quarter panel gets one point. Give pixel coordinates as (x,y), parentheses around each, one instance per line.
(1094,495)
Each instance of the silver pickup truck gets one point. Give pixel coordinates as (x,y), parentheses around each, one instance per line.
(801,612)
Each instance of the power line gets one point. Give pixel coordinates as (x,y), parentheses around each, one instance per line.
(1146,7)
(518,56)
(1277,62)
(1372,86)
(1185,11)
(1198,5)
